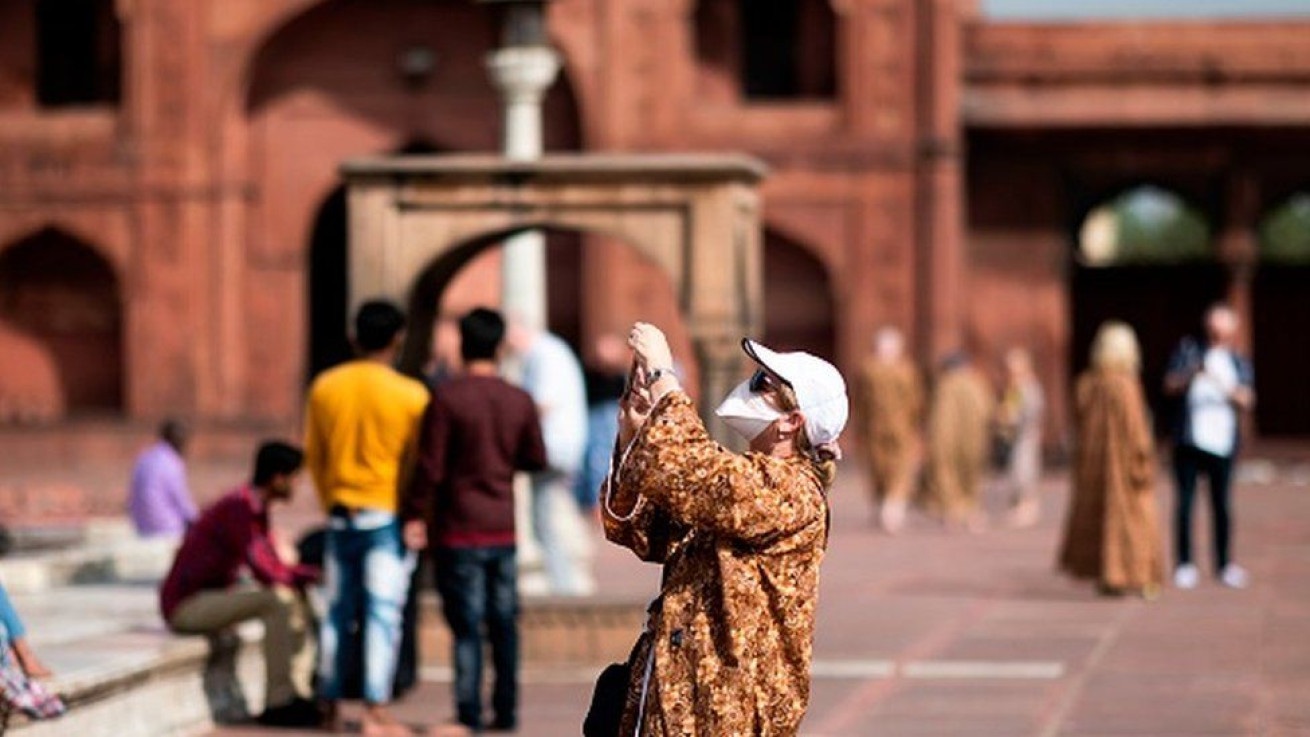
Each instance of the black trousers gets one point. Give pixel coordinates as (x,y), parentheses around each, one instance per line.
(1189,464)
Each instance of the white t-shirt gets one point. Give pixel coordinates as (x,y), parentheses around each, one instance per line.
(553,376)
(1213,416)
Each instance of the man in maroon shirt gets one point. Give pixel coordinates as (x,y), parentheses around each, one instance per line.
(478,430)
(202,596)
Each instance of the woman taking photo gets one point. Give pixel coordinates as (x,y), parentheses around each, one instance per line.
(728,642)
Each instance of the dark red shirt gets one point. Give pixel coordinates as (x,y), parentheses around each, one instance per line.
(230,535)
(477,431)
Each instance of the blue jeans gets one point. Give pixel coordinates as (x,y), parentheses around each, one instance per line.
(368,568)
(478,588)
(602,427)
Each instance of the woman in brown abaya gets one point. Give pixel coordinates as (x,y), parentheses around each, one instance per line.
(959,434)
(891,406)
(1112,535)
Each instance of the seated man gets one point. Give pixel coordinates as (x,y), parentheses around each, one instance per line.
(159,501)
(201,595)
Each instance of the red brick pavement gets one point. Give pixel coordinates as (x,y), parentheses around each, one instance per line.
(927,604)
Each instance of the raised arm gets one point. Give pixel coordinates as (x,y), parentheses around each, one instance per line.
(1184,365)
(643,528)
(677,467)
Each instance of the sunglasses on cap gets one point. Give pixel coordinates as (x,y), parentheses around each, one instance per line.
(762,381)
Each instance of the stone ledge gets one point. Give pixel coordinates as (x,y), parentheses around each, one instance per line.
(122,680)
(630,168)
(108,560)
(582,631)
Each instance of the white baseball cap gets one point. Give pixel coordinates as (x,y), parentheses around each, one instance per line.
(819,388)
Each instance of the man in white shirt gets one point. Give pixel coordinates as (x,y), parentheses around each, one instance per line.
(552,374)
(1215,385)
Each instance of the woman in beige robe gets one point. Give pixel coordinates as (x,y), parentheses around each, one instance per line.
(891,408)
(1112,535)
(959,441)
(728,642)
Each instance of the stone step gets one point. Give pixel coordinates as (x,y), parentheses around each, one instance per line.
(121,671)
(564,631)
(123,674)
(149,683)
(99,552)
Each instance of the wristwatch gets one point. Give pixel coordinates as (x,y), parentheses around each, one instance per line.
(655,375)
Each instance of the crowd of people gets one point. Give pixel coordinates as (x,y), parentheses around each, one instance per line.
(404,469)
(401,469)
(938,452)
(936,449)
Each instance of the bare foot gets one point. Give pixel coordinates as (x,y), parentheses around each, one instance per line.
(1024,514)
(451,729)
(378,722)
(892,516)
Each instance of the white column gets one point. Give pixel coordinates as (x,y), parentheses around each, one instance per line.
(522,75)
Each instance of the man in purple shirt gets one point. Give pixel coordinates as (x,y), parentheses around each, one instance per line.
(159,501)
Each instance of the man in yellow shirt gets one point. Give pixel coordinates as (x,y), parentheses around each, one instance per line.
(361,425)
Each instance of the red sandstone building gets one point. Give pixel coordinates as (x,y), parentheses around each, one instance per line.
(172,223)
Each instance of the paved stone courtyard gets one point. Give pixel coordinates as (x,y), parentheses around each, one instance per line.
(931,633)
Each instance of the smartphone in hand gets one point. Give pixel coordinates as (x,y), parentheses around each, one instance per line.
(632,381)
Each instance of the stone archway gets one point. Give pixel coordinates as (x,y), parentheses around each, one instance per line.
(61,325)
(339,79)
(696,216)
(1278,294)
(802,312)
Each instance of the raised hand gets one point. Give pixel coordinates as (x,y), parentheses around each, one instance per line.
(649,347)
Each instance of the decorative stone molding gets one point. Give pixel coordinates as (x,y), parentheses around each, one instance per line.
(416,220)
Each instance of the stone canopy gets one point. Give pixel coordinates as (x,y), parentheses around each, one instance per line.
(416,220)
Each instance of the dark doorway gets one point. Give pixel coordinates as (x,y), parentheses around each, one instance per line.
(1161,303)
(1280,300)
(564,285)
(78,58)
(775,49)
(1279,297)
(329,284)
(62,293)
(799,310)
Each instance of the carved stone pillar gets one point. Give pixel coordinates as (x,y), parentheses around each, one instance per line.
(522,71)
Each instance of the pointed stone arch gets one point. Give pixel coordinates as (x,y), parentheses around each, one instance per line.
(801,313)
(62,320)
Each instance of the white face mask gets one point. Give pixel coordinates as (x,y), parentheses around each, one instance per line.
(746,412)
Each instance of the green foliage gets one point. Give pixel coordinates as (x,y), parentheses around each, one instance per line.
(1145,225)
(1285,232)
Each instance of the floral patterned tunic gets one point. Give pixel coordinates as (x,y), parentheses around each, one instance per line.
(741,538)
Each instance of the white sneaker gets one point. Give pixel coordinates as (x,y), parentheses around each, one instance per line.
(1234,576)
(1187,576)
